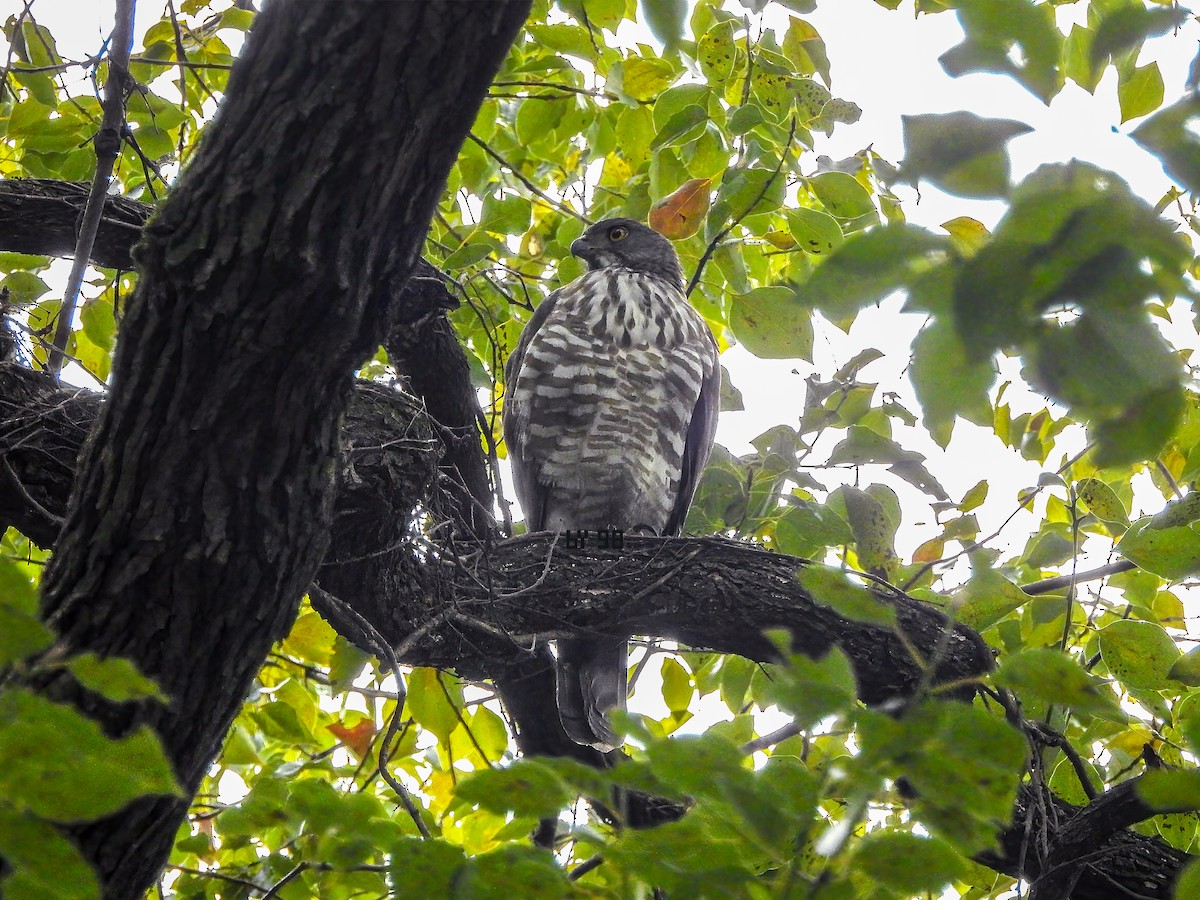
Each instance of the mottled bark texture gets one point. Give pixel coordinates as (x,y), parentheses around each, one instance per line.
(205,494)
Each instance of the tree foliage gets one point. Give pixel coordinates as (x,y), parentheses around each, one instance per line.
(793,787)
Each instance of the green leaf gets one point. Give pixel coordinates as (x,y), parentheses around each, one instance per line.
(1183,511)
(862,445)
(1171,790)
(17,592)
(527,787)
(44,863)
(986,599)
(814,689)
(716,54)
(1054,677)
(507,214)
(1102,501)
(23,288)
(1188,884)
(947,382)
(311,638)
(814,231)
(683,126)
(1138,654)
(907,863)
(695,765)
(746,117)
(21,635)
(422,869)
(844,197)
(1125,27)
(116,678)
(644,78)
(871,265)
(1187,668)
(1171,136)
(59,764)
(874,526)
(1141,93)
(1172,552)
(802,44)
(513,871)
(468,254)
(564,38)
(830,587)
(962,763)
(1013,37)
(237,19)
(429,704)
(665,19)
(745,192)
(1140,430)
(960,152)
(773,323)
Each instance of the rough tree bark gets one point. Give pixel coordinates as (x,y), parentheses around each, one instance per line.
(203,504)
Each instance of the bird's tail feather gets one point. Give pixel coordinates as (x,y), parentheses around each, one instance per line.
(591,681)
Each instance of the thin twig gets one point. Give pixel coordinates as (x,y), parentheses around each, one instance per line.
(386,654)
(533,188)
(1050,585)
(16,482)
(716,241)
(584,867)
(769,740)
(291,876)
(107,143)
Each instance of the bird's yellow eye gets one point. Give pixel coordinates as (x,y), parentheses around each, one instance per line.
(618,233)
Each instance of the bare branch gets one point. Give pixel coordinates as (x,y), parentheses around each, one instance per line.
(108,147)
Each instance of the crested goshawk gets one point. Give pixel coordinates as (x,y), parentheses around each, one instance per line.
(611,400)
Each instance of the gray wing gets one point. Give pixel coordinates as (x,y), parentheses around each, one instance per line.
(531,494)
(701,431)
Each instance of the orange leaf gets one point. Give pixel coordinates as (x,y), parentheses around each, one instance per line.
(356,737)
(930,551)
(680,215)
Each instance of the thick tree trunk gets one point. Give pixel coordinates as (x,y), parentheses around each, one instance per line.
(204,500)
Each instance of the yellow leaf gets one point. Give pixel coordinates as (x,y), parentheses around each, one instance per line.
(968,235)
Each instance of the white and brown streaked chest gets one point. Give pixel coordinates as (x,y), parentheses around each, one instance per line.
(600,405)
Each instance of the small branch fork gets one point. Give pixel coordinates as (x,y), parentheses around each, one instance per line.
(108,148)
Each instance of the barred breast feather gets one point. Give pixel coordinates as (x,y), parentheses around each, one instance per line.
(603,401)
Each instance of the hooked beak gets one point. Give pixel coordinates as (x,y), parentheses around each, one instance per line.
(581,248)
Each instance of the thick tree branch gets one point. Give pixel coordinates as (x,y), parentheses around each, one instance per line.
(39,216)
(1092,826)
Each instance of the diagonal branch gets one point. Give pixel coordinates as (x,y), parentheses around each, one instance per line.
(108,147)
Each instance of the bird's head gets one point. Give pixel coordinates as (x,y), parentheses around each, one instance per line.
(631,245)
